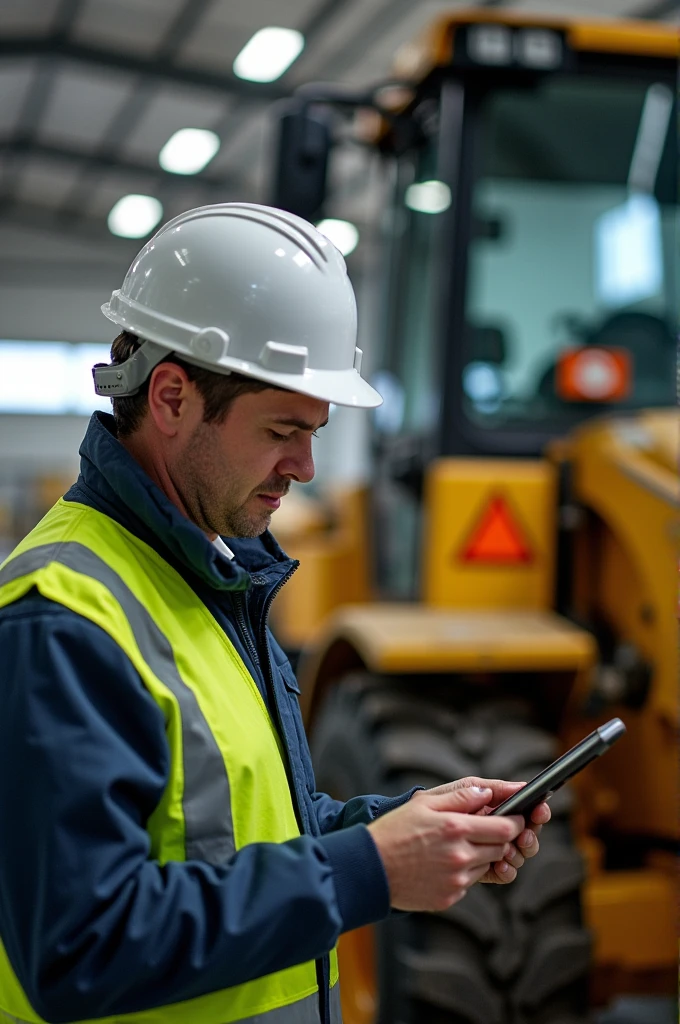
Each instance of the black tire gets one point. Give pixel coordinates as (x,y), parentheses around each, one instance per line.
(516,954)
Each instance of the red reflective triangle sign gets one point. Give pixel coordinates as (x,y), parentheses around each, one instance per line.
(497,538)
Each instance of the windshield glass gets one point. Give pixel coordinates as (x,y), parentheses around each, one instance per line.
(575,231)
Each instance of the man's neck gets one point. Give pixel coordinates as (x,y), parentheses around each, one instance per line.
(155,467)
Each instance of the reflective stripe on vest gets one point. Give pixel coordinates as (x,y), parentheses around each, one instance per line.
(220,737)
(305,1011)
(206,796)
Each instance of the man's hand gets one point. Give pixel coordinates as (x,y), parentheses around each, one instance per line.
(439,844)
(526,844)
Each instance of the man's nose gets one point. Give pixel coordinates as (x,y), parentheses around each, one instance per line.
(299,464)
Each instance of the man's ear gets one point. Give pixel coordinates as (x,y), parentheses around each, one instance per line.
(173,398)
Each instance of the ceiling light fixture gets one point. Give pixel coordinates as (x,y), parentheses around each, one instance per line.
(134,216)
(188,150)
(343,234)
(428,196)
(268,54)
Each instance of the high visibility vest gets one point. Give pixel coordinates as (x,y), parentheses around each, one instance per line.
(227,784)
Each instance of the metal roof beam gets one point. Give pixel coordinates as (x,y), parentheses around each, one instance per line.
(32,273)
(32,216)
(158,69)
(30,147)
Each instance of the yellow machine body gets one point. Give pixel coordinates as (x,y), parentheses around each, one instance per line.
(415,61)
(489,536)
(626,572)
(625,559)
(332,546)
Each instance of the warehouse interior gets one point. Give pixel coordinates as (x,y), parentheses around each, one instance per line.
(116,117)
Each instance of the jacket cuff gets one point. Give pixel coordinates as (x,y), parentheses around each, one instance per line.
(390,803)
(361,886)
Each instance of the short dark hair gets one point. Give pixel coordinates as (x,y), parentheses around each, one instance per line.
(218,390)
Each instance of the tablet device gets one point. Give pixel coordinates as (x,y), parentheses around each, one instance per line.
(564,768)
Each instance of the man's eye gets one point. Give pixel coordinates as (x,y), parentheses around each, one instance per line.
(277,436)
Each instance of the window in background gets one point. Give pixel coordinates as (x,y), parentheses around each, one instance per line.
(50,377)
(576,201)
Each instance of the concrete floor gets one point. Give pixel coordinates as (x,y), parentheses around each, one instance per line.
(640,1011)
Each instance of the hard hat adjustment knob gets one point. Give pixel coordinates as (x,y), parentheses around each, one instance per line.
(210,344)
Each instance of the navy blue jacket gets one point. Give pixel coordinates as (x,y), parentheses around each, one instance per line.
(92,926)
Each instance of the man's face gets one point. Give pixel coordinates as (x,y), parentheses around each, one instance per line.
(231,476)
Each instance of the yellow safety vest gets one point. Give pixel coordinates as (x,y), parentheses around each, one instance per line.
(227,784)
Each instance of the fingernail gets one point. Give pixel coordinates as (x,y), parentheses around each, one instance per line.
(504,867)
(530,840)
(481,789)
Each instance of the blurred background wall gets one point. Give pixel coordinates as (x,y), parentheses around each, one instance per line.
(90,93)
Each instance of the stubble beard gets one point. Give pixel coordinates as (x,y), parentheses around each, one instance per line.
(239,522)
(205,485)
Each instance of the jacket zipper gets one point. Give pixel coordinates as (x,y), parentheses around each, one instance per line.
(269,676)
(239,607)
(267,607)
(322,965)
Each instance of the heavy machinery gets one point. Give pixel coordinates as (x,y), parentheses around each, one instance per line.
(523,518)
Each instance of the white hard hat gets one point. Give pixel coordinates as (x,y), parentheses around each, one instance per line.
(245,288)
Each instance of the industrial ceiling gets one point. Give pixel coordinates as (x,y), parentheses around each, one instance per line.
(91,90)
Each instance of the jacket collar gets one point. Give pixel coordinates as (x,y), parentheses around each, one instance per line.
(108,471)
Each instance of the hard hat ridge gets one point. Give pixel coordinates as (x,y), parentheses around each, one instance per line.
(246,288)
(300,231)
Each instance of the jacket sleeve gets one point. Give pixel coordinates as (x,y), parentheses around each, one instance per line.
(333,814)
(91,925)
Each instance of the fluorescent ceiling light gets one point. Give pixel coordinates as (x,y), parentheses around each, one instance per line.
(268,54)
(341,233)
(134,216)
(428,196)
(188,150)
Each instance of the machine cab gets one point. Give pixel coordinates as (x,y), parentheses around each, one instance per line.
(533,278)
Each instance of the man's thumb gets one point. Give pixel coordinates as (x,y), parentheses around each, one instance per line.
(466,800)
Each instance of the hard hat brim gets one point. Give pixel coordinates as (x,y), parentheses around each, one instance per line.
(211,347)
(340,387)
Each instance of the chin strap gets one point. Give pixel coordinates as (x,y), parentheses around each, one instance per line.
(120,380)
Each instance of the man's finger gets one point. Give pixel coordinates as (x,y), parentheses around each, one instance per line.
(492,829)
(467,800)
(514,857)
(504,872)
(479,874)
(499,787)
(541,814)
(527,843)
(484,853)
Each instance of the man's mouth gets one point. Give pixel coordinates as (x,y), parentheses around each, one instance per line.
(271,500)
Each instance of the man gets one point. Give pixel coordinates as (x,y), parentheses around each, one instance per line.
(165,856)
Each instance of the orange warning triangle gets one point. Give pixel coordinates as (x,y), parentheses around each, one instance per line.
(497,537)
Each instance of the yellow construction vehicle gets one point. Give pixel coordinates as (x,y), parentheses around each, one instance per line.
(523,520)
